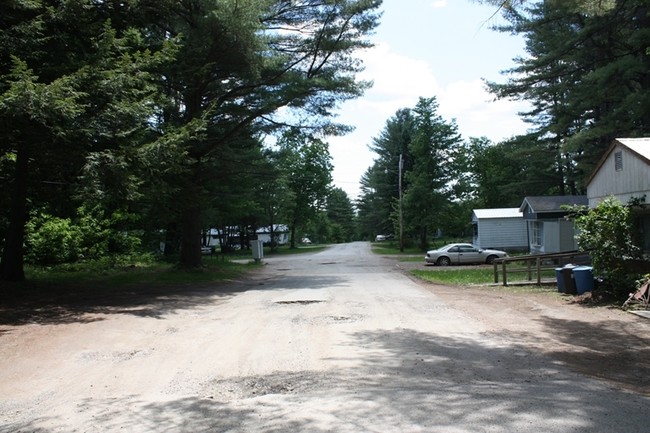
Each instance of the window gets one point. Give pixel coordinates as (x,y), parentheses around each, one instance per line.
(537,232)
(618,160)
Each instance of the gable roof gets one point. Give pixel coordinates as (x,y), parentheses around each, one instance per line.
(640,147)
(510,212)
(552,203)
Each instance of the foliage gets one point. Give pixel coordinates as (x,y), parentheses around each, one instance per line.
(74,81)
(430,148)
(163,108)
(380,183)
(605,232)
(586,75)
(51,241)
(91,236)
(433,150)
(500,175)
(306,167)
(340,212)
(262,67)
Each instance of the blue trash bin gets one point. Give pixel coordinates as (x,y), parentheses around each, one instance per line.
(584,278)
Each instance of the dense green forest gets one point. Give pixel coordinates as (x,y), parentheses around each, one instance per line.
(127,123)
(586,74)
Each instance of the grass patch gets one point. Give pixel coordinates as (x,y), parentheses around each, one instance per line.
(148,271)
(149,274)
(456,276)
(472,276)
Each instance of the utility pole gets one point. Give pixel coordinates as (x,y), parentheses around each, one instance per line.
(401,225)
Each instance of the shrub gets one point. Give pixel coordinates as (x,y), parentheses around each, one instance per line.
(605,232)
(51,240)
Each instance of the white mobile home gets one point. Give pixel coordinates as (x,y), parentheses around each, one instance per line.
(501,228)
(280,232)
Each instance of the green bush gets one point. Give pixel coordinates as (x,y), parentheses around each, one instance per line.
(605,232)
(51,240)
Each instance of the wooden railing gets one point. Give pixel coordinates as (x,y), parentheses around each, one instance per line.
(536,263)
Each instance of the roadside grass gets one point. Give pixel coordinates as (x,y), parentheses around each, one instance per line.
(456,276)
(464,276)
(149,274)
(148,270)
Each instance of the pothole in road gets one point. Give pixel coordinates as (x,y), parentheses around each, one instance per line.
(300,302)
(225,390)
(327,320)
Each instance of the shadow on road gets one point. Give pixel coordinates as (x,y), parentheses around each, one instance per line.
(406,381)
(59,304)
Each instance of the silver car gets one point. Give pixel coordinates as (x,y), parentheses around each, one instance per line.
(456,254)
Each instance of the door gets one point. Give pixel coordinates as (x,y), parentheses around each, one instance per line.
(469,254)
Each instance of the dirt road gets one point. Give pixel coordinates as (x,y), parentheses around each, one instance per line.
(339,341)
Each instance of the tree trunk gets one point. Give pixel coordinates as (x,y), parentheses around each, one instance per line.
(12,266)
(190,257)
(292,245)
(274,244)
(424,243)
(171,239)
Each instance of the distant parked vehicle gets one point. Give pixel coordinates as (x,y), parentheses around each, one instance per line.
(456,254)
(380,238)
(306,241)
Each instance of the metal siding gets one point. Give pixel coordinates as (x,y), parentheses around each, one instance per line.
(502,233)
(567,236)
(632,181)
(551,237)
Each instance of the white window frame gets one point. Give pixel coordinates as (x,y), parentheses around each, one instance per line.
(537,233)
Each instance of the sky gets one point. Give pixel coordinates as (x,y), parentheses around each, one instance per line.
(426,48)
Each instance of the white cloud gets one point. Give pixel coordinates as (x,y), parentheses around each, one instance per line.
(398,83)
(437,4)
(478,113)
(396,76)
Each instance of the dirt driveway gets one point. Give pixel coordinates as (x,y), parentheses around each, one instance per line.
(336,341)
(600,341)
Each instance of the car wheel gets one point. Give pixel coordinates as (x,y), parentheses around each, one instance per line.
(490,260)
(444,261)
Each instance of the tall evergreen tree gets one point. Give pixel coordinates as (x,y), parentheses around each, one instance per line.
(587,76)
(73,80)
(380,183)
(307,166)
(239,64)
(433,149)
(340,213)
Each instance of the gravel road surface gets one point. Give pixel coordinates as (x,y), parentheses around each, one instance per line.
(337,341)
